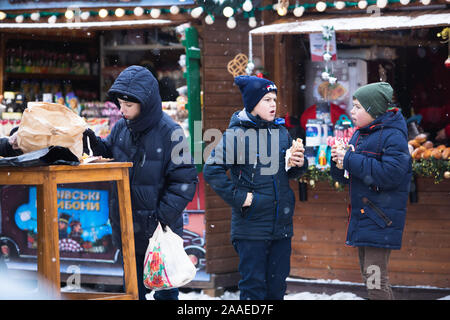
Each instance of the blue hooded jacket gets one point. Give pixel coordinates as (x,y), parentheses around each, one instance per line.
(269,217)
(160,188)
(379,179)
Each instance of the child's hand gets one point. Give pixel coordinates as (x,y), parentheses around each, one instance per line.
(13,141)
(337,155)
(248,201)
(297,158)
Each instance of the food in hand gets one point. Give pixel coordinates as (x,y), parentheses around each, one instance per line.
(297,145)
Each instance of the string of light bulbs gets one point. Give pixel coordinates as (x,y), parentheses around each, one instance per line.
(209,10)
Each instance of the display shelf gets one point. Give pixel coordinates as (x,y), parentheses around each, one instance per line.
(143,47)
(50,76)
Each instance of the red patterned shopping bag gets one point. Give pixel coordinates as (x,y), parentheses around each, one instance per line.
(166,264)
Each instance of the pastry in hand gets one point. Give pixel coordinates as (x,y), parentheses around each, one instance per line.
(297,145)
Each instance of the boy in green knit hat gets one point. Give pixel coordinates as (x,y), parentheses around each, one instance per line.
(378,169)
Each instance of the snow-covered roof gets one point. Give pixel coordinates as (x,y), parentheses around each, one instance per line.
(93,25)
(368,22)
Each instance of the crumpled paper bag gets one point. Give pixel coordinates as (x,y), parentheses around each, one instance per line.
(46,124)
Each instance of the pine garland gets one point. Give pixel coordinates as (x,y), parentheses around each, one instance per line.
(429,168)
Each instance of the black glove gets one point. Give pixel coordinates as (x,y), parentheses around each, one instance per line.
(93,141)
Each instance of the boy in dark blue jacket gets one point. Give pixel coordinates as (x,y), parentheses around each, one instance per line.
(160,186)
(253,149)
(377,168)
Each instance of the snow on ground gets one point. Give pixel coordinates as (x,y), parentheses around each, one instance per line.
(193,295)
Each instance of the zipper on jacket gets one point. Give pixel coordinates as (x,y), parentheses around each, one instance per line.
(378,211)
(276,205)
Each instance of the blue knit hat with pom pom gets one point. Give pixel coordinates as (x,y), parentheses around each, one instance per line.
(253,89)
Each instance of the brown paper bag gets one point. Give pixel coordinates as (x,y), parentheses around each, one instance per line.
(46,124)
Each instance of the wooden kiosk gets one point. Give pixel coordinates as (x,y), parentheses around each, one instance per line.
(46,180)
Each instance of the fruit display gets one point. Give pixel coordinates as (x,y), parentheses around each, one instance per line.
(421,148)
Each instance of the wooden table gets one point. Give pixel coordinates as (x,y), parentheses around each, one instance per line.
(46,180)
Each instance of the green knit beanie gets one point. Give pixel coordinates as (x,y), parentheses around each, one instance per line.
(375,97)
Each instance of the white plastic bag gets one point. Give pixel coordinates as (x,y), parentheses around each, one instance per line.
(166,264)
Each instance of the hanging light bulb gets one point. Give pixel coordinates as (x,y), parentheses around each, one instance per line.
(52,19)
(209,19)
(196,12)
(404,2)
(339,5)
(85,15)
(103,13)
(382,3)
(19,19)
(231,23)
(425,2)
(298,12)
(174,10)
(252,22)
(35,16)
(69,14)
(155,13)
(2,15)
(362,4)
(247,6)
(282,10)
(321,6)
(228,12)
(119,12)
(138,11)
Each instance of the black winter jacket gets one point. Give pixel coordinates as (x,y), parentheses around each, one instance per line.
(160,188)
(270,215)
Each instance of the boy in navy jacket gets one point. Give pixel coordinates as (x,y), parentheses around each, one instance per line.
(377,168)
(258,189)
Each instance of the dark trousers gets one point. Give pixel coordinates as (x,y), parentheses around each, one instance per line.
(374,270)
(264,266)
(171,294)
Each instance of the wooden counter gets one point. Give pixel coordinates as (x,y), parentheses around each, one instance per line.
(46,180)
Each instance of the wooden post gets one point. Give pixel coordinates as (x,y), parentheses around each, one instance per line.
(126,226)
(48,238)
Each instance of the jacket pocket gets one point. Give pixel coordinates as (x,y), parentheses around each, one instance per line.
(377,216)
(260,206)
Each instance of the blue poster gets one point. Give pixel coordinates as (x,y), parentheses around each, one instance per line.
(83,219)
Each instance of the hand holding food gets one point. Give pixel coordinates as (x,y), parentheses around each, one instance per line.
(297,158)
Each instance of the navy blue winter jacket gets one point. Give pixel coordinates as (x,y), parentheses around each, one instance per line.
(379,179)
(270,215)
(160,188)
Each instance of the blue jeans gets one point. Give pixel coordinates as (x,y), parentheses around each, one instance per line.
(264,266)
(171,294)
